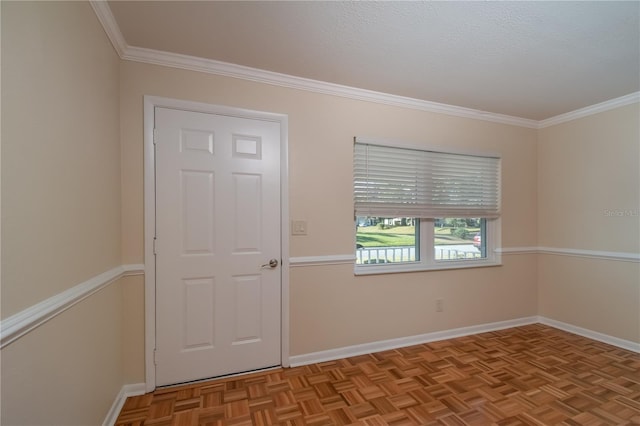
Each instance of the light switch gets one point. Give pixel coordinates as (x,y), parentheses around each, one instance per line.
(298,227)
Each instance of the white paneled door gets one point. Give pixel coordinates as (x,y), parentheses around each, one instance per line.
(218,274)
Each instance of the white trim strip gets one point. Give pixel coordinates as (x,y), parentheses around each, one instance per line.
(383,345)
(108,21)
(126,391)
(149,232)
(338,259)
(591,110)
(343,259)
(17,325)
(517,250)
(593,254)
(209,66)
(594,335)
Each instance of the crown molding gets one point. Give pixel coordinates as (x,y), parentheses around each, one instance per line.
(629,99)
(210,66)
(106,18)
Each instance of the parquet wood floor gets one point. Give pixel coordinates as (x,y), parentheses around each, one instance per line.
(530,375)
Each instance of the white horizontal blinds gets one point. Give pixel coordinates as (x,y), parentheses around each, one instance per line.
(392,182)
(387,181)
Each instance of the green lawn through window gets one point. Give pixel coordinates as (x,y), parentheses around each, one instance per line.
(374,236)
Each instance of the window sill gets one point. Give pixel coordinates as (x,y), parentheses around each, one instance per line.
(419,267)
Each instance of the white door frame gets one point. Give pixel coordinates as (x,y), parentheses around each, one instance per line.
(150,103)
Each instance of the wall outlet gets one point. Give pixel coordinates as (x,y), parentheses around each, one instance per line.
(439,305)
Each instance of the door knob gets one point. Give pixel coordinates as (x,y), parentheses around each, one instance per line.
(272,264)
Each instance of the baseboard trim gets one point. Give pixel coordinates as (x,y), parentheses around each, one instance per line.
(126,391)
(17,325)
(367,348)
(594,335)
(383,345)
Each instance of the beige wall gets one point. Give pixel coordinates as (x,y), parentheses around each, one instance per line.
(330,307)
(589,199)
(72,197)
(321,131)
(67,371)
(596,294)
(133,331)
(60,171)
(587,168)
(60,211)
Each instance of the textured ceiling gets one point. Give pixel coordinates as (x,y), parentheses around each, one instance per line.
(531,60)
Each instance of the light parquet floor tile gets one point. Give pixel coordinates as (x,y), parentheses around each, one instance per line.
(531,375)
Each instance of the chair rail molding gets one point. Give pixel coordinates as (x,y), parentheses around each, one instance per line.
(593,254)
(21,323)
(336,259)
(342,259)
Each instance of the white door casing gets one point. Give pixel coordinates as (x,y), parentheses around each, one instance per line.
(218,220)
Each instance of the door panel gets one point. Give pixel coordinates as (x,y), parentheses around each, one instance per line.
(218,220)
(199,300)
(248,293)
(197,204)
(247,194)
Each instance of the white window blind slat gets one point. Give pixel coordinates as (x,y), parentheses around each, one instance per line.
(392,182)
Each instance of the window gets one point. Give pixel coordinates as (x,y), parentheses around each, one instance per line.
(419,210)
(459,239)
(387,240)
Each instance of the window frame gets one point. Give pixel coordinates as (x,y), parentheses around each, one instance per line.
(425,238)
(428,261)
